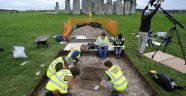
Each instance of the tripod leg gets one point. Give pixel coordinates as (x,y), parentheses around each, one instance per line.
(164,40)
(165,47)
(172,31)
(158,48)
(181,45)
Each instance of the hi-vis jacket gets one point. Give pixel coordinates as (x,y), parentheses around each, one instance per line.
(72,51)
(117,78)
(57,81)
(101,42)
(119,43)
(52,67)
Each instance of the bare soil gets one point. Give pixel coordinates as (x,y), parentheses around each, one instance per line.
(87,31)
(92,71)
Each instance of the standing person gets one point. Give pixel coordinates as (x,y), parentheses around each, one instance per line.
(102,45)
(56,66)
(61,82)
(114,79)
(74,56)
(119,45)
(145,27)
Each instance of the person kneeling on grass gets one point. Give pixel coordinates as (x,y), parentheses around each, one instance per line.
(102,45)
(74,56)
(56,66)
(114,79)
(119,45)
(60,83)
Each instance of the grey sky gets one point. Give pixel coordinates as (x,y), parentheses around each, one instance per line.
(49,4)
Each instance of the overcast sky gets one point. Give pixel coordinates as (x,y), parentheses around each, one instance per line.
(50,4)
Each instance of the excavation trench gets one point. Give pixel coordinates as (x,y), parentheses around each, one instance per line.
(92,71)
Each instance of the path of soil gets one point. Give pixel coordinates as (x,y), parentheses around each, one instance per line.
(92,70)
(87,31)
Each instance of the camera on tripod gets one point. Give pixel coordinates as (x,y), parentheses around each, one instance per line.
(153,1)
(173,30)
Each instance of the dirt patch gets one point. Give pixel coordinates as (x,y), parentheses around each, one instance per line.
(85,84)
(90,77)
(92,73)
(92,70)
(87,31)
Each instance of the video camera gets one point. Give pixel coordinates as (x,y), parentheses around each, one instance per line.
(152,2)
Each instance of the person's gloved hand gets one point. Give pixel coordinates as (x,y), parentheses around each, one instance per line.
(103,82)
(70,66)
(56,93)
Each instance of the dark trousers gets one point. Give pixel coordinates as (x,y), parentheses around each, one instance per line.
(50,93)
(118,51)
(102,51)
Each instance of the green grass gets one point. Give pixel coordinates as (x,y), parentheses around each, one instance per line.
(22,29)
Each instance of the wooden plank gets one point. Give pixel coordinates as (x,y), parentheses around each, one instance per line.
(175,63)
(71,46)
(160,56)
(168,60)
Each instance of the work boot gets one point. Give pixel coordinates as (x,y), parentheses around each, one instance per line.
(117,56)
(102,58)
(139,54)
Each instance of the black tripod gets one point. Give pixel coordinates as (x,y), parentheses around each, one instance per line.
(169,36)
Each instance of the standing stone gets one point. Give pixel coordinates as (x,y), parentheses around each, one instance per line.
(98,6)
(57,7)
(84,6)
(67,7)
(132,6)
(93,8)
(124,7)
(105,9)
(127,7)
(87,6)
(76,6)
(109,2)
(114,7)
(119,7)
(103,6)
(90,7)
(109,7)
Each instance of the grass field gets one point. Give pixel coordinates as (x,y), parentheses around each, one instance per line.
(22,29)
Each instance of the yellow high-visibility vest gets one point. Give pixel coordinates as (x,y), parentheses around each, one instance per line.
(118,80)
(106,40)
(57,81)
(52,67)
(120,42)
(72,51)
